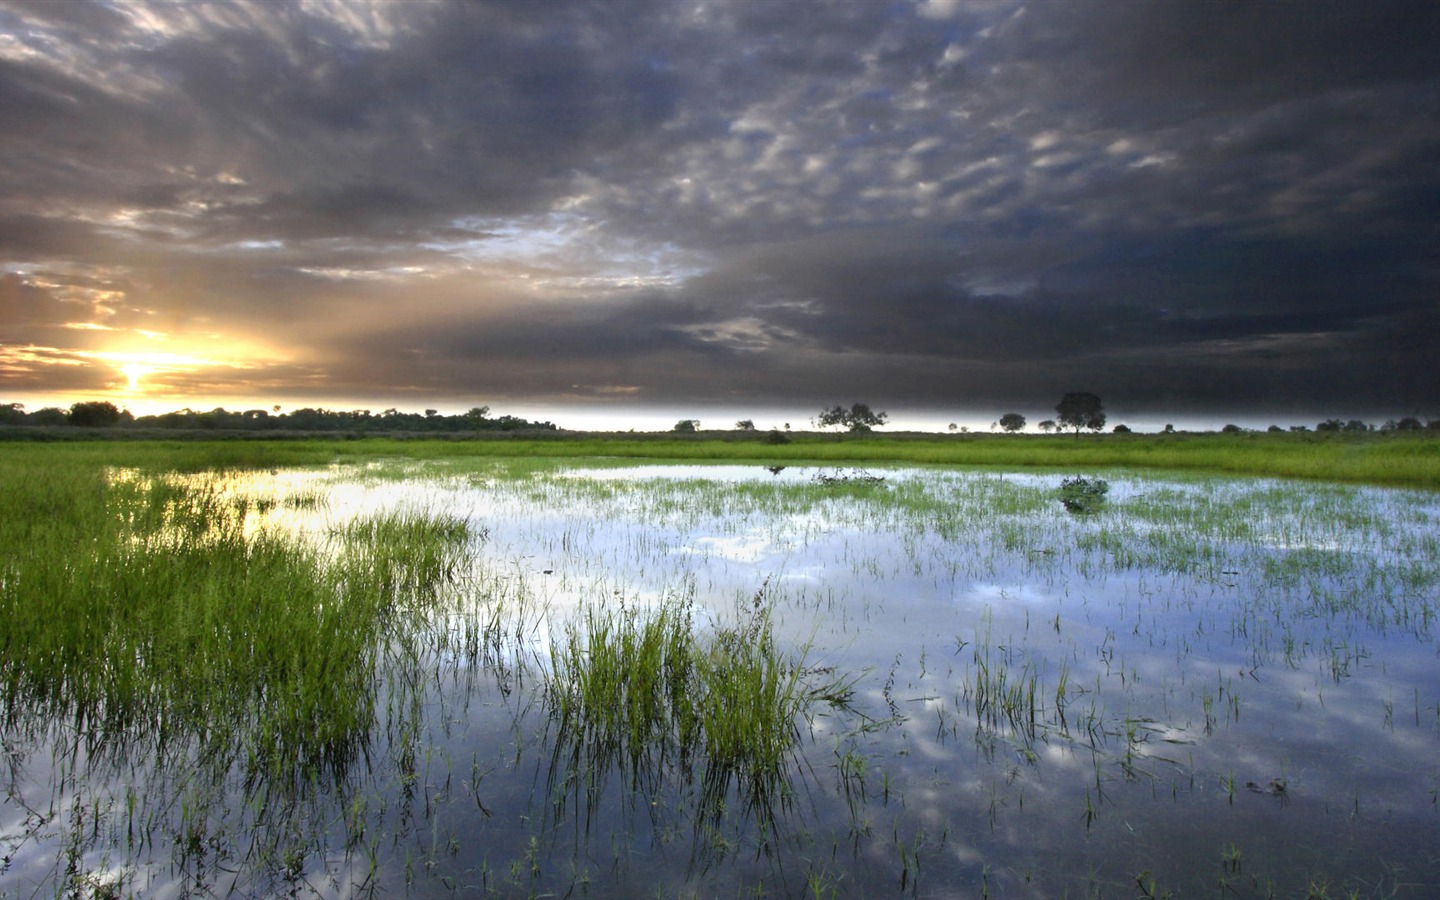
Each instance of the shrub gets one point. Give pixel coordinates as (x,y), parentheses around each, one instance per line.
(1083,495)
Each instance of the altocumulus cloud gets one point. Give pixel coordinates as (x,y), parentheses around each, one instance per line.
(1175,204)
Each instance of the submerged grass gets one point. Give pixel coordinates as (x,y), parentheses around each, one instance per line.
(1115,648)
(146,617)
(145,609)
(655,698)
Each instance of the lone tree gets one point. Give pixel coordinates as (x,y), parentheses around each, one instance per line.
(1012,422)
(1081,409)
(687,426)
(858,418)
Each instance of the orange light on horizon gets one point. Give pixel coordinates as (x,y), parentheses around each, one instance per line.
(136,366)
(142,368)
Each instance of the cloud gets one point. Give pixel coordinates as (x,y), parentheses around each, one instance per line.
(941,202)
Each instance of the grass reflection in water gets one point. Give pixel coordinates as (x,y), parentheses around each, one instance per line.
(647,699)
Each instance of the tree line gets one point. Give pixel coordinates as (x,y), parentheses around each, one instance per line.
(1077,411)
(104,414)
(1083,411)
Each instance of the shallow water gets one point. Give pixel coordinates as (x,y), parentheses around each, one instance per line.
(1207,686)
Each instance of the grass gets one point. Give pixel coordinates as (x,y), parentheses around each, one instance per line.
(1144,643)
(1399,459)
(652,697)
(147,618)
(1409,460)
(140,607)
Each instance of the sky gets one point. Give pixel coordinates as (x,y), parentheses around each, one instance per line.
(944,209)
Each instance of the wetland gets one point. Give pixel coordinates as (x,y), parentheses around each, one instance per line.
(518,676)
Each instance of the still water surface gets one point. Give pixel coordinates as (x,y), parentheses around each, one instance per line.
(1206,687)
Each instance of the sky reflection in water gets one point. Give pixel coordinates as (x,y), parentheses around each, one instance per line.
(1206,683)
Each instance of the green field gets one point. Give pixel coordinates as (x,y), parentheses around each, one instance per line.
(1402,460)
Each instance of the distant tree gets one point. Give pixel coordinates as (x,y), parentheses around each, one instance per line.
(50,415)
(858,418)
(1299,429)
(954,427)
(94,414)
(1012,422)
(1169,429)
(1122,428)
(1330,425)
(1356,425)
(1048,425)
(477,413)
(431,413)
(1274,429)
(1409,423)
(745,425)
(1079,410)
(1231,429)
(687,426)
(12,413)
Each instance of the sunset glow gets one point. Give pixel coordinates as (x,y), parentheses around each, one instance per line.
(133,372)
(136,367)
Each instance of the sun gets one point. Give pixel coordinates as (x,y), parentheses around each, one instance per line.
(133,372)
(139,367)
(149,373)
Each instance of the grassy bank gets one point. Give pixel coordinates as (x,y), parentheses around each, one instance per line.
(1410,460)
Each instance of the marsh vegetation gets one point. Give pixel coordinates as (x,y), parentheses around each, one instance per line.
(269,673)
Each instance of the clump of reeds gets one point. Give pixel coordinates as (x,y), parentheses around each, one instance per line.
(403,554)
(660,701)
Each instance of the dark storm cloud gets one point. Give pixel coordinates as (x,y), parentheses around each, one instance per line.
(1172,202)
(1172,59)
